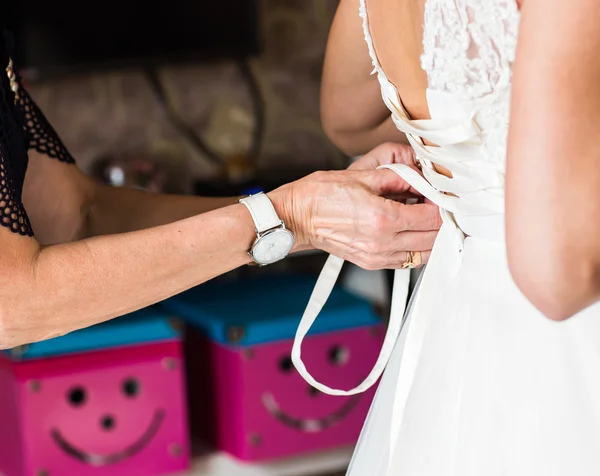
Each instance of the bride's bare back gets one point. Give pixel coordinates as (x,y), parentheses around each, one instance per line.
(396,28)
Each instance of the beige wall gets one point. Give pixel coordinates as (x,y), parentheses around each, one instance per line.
(116,113)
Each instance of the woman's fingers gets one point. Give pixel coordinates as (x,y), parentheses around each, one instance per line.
(383,182)
(420,258)
(388,153)
(372,254)
(389,216)
(345,213)
(396,260)
(386,182)
(415,240)
(418,217)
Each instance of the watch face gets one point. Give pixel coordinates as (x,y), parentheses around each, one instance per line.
(272,246)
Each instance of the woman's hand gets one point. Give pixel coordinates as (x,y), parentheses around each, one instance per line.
(389,153)
(346,213)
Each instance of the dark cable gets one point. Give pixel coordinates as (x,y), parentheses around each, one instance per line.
(176,120)
(258,108)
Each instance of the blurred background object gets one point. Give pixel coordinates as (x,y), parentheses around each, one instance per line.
(228,89)
(107,400)
(251,401)
(133,172)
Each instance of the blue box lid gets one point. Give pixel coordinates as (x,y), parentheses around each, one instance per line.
(151,324)
(263,309)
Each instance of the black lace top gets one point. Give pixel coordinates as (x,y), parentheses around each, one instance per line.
(22,127)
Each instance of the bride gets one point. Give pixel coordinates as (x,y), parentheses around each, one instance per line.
(501,103)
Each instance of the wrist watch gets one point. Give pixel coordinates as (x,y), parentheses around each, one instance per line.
(273,240)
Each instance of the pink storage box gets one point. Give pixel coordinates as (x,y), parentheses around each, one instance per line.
(117,412)
(254,404)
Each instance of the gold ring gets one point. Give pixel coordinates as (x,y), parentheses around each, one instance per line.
(409,263)
(413,259)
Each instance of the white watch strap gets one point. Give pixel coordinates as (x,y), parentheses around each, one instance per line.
(263,212)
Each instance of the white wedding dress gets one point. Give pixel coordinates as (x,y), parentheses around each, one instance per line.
(478,382)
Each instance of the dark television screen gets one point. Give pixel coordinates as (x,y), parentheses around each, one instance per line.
(58,35)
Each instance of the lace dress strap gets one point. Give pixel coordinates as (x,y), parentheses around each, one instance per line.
(23,127)
(41,136)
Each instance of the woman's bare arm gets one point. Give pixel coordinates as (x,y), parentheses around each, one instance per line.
(352,110)
(51,290)
(553,171)
(65,205)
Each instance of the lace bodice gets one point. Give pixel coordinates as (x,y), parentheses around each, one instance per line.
(22,127)
(469,45)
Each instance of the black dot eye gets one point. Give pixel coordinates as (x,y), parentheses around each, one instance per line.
(131,387)
(285,364)
(312,391)
(339,355)
(77,396)
(107,423)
